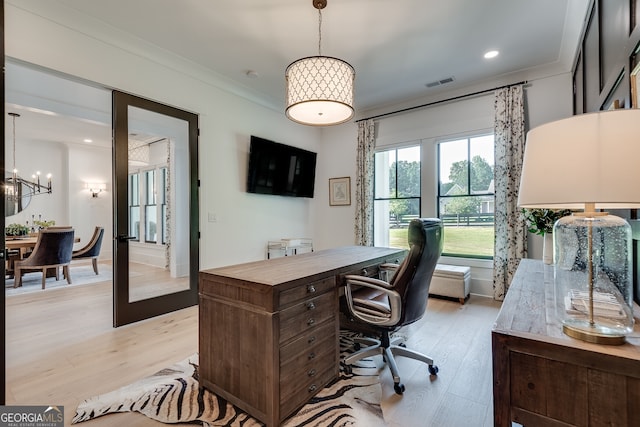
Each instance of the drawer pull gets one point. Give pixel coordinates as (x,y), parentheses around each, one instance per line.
(311,339)
(311,306)
(312,388)
(311,321)
(312,355)
(311,289)
(311,373)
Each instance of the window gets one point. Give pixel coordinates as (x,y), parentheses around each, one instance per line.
(465,196)
(134,205)
(147,203)
(150,208)
(162,194)
(397,195)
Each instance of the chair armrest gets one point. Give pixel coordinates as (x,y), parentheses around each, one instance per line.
(395,301)
(366,281)
(389,266)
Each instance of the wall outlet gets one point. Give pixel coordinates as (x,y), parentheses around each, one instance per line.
(213,217)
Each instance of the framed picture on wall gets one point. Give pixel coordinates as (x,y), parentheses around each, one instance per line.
(340,191)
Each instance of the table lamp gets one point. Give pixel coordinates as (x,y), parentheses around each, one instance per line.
(589,162)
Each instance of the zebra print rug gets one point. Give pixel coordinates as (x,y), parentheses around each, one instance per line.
(173,396)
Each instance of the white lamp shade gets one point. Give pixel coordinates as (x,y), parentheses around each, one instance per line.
(587,158)
(319,91)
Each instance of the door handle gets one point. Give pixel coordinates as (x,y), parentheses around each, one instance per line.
(124,238)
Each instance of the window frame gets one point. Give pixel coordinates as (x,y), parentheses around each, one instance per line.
(469,192)
(149,199)
(417,198)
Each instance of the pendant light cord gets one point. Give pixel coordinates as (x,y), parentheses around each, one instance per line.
(319,32)
(14,143)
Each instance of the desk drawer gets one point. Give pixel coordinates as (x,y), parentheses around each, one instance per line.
(299,293)
(324,335)
(295,394)
(309,364)
(307,315)
(371,270)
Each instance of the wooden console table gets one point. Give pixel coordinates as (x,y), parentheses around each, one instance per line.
(269,330)
(542,377)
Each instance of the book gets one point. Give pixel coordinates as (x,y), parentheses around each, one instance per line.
(605,304)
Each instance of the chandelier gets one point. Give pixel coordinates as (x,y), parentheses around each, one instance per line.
(319,88)
(17,188)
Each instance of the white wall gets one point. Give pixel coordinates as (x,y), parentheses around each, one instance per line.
(87,212)
(548,100)
(68,43)
(336,158)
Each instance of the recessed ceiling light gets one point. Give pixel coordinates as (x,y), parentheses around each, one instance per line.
(491,54)
(88,141)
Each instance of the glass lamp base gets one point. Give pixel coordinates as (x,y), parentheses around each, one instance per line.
(593,277)
(593,333)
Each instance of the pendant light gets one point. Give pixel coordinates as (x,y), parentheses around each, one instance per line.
(319,88)
(20,187)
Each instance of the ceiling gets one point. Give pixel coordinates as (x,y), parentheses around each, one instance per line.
(397,47)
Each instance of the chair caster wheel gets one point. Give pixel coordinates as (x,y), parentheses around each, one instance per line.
(357,346)
(348,369)
(403,345)
(399,388)
(433,369)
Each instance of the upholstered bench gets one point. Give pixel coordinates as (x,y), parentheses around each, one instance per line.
(451,281)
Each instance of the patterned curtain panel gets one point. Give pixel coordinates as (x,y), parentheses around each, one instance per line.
(364,183)
(510,227)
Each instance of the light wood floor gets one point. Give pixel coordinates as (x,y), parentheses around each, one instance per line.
(61,349)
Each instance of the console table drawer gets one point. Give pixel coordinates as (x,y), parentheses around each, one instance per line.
(307,315)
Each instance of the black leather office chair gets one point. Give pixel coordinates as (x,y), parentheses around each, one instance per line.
(387,306)
(92,249)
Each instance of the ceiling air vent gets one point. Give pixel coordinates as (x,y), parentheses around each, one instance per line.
(440,82)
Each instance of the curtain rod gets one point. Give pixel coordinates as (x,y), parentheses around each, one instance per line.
(455,98)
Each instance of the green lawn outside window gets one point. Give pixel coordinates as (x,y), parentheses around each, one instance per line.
(474,241)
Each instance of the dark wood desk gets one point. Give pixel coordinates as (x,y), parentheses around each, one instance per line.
(542,377)
(269,330)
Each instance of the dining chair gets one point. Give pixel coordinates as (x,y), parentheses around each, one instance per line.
(53,249)
(92,249)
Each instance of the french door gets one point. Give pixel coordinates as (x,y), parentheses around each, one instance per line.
(155,247)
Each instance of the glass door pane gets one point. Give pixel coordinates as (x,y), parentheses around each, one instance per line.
(156,250)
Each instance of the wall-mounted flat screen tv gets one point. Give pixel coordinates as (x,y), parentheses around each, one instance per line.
(280,169)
